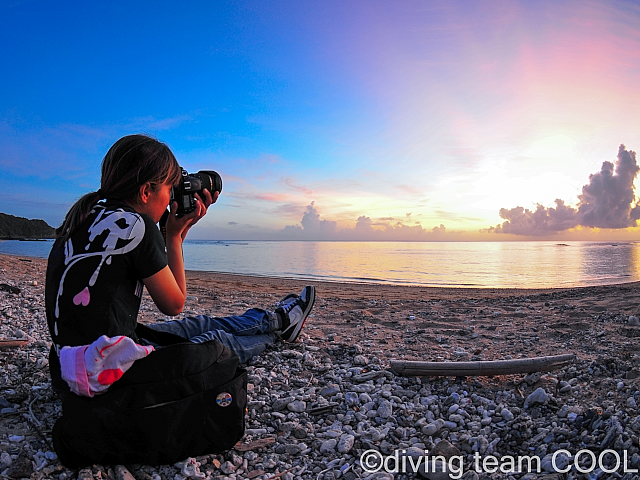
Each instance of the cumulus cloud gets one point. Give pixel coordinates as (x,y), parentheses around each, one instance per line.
(312,227)
(541,221)
(607,201)
(311,221)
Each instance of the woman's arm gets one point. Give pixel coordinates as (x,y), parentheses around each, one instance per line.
(168,287)
(165,291)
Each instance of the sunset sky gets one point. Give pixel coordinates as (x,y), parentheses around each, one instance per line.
(337,120)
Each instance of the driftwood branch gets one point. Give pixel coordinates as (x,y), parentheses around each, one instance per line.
(278,475)
(408,368)
(12,343)
(263,442)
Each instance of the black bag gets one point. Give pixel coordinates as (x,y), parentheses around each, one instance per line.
(181,401)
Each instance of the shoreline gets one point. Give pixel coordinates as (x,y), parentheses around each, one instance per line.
(430,291)
(282,285)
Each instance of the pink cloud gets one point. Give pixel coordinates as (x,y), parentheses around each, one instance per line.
(300,188)
(271,197)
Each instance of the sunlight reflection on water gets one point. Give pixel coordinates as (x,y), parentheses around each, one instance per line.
(459,264)
(456,264)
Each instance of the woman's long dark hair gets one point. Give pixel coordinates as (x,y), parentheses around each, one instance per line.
(130,162)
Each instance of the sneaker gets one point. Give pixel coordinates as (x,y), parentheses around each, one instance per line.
(294,311)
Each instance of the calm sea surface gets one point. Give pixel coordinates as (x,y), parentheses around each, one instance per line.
(451,264)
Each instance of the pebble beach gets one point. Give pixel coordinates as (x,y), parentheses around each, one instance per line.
(330,407)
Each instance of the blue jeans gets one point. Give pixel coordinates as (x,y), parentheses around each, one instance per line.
(247,335)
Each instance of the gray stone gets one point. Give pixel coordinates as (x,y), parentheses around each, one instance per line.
(300,433)
(287,427)
(430,429)
(292,449)
(360,360)
(351,398)
(386,447)
(297,406)
(364,398)
(539,396)
(281,403)
(330,391)
(506,414)
(191,469)
(123,474)
(483,445)
(456,418)
(5,460)
(85,474)
(566,389)
(227,468)
(328,446)
(445,449)
(346,443)
(385,409)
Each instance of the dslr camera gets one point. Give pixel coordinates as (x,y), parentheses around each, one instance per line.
(192,183)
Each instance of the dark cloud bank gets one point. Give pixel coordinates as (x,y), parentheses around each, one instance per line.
(607,201)
(313,228)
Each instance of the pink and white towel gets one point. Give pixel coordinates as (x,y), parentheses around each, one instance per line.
(92,369)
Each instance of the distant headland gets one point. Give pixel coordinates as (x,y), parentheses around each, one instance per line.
(18,228)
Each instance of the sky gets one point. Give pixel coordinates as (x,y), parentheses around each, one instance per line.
(337,120)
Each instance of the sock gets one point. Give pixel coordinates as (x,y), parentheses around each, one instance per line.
(284,320)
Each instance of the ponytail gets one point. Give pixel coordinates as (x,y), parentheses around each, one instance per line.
(77,214)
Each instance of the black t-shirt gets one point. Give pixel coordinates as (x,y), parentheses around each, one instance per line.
(94,279)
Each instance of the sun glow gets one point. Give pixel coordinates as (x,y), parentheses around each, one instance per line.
(554,148)
(544,171)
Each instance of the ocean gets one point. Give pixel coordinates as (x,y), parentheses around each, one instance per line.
(443,264)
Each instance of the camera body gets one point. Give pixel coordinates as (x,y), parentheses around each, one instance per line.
(192,183)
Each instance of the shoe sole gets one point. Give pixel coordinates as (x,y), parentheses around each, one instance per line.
(305,314)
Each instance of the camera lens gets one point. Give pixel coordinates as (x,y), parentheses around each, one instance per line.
(211,180)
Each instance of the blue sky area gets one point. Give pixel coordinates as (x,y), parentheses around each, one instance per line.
(333,120)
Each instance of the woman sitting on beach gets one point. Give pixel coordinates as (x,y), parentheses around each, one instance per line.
(109,248)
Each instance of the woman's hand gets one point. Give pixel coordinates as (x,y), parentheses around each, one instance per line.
(179,226)
(168,287)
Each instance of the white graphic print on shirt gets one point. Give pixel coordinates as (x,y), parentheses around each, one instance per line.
(120,225)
